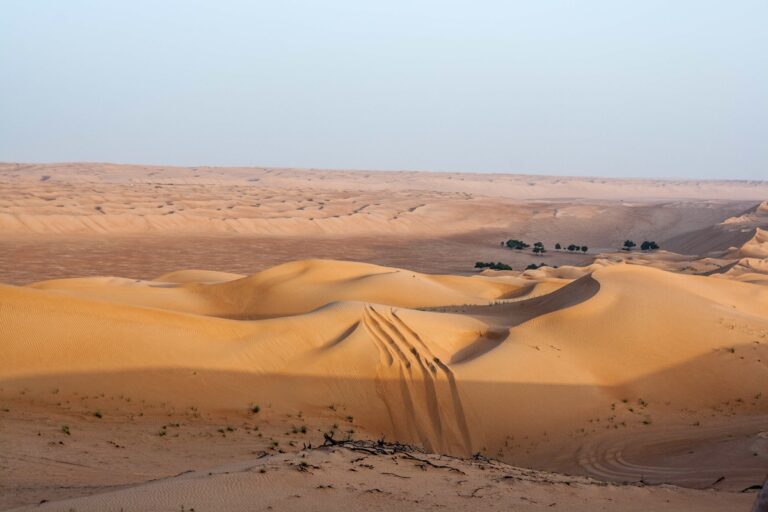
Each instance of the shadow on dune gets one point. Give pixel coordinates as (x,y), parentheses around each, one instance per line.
(512,314)
(707,240)
(720,270)
(698,424)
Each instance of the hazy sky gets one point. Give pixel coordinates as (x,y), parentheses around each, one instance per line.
(615,88)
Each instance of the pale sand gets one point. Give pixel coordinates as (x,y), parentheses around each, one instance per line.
(74,220)
(630,367)
(110,199)
(349,479)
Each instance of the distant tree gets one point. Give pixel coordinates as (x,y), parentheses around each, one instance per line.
(649,246)
(517,244)
(628,245)
(558,246)
(492,265)
(584,248)
(572,248)
(538,244)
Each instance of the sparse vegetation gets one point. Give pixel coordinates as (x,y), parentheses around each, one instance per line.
(493,266)
(628,245)
(648,246)
(517,244)
(538,247)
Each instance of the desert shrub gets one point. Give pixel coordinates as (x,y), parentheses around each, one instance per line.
(649,246)
(517,244)
(493,266)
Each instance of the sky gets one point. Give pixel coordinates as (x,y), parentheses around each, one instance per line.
(675,89)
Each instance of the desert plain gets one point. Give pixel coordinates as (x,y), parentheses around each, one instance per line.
(202,338)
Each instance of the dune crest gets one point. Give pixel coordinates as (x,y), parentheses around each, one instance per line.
(291,288)
(756,247)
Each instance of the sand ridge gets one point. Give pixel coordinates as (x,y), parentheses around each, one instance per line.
(414,357)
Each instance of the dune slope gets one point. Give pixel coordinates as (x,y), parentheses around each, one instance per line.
(447,363)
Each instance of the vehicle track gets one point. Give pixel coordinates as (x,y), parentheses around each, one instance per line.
(419,390)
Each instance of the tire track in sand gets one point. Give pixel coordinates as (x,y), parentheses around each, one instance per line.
(423,382)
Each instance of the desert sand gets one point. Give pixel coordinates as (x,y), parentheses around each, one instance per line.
(235,332)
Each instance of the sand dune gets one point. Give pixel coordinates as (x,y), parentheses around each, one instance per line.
(119,371)
(751,270)
(737,236)
(107,199)
(292,288)
(755,247)
(475,368)
(77,220)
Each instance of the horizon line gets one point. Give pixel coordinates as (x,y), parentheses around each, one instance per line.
(414,171)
